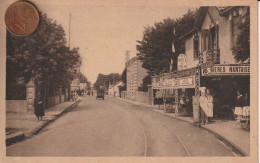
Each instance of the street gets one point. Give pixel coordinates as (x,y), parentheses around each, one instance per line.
(111,127)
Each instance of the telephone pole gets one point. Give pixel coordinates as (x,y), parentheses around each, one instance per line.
(69,29)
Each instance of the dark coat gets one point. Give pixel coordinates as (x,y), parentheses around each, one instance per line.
(38,108)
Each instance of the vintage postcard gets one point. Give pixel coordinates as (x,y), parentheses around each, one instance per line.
(120,80)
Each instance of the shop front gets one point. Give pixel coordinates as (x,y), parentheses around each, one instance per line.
(224,81)
(174,91)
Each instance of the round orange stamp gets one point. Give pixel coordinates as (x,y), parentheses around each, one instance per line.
(21,18)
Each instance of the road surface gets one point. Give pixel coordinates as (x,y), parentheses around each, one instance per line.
(114,128)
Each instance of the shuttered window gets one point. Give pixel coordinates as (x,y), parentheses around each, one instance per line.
(205,42)
(196,47)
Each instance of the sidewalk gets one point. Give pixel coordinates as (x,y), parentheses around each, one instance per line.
(226,130)
(21,126)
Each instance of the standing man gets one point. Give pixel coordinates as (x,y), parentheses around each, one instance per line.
(203,106)
(210,104)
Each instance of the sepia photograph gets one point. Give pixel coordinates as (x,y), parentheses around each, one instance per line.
(129,79)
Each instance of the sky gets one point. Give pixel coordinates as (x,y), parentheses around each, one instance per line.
(104,30)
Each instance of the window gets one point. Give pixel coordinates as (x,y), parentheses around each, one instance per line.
(205,40)
(214,37)
(196,47)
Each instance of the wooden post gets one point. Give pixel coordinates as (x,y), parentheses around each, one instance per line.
(176,103)
(197,82)
(196,108)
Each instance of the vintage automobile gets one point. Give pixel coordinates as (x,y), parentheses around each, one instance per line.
(100,94)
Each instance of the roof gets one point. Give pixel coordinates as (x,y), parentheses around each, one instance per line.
(223,10)
(226,10)
(187,35)
(120,83)
(131,60)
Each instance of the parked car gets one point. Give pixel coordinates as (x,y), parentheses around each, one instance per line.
(100,94)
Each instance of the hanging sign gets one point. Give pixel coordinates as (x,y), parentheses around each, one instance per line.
(182,62)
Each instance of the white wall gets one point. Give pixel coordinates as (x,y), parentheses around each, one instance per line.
(189,52)
(225,35)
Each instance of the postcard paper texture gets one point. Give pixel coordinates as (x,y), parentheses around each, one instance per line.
(128,81)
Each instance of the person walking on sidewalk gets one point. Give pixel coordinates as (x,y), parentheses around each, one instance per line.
(38,106)
(203,106)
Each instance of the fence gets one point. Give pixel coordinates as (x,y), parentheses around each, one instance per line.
(54,100)
(16,106)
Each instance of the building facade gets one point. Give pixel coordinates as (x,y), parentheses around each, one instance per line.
(210,60)
(215,33)
(134,77)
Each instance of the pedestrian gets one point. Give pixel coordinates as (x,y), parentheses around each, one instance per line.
(240,102)
(210,104)
(75,95)
(183,105)
(92,93)
(38,106)
(203,106)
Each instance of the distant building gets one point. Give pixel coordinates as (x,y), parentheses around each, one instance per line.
(114,90)
(117,88)
(83,86)
(134,77)
(75,85)
(110,90)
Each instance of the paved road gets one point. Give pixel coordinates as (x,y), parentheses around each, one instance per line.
(114,128)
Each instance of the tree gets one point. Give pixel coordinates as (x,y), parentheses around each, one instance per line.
(83,79)
(155,49)
(105,80)
(42,56)
(146,81)
(123,79)
(241,50)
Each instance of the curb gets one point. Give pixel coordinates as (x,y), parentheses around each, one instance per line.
(14,139)
(72,106)
(21,136)
(228,143)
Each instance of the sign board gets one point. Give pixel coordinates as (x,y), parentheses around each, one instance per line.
(182,62)
(189,81)
(226,70)
(186,82)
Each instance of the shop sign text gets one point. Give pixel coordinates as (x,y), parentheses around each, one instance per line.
(227,70)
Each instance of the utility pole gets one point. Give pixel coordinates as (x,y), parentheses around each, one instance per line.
(69,29)
(69,89)
(113,85)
